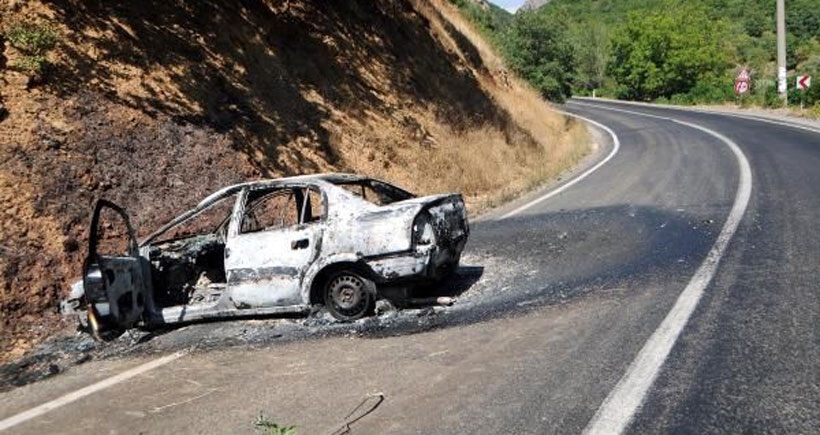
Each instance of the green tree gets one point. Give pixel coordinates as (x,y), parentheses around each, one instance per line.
(490,19)
(592,47)
(667,51)
(538,48)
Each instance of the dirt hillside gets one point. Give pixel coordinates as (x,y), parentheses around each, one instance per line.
(154,104)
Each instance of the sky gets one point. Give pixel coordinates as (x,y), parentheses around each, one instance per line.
(510,5)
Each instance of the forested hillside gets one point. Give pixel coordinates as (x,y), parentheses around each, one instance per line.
(662,50)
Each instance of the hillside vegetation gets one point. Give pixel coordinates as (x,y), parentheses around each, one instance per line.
(662,50)
(155,104)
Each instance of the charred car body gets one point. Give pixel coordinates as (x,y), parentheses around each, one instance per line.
(280,246)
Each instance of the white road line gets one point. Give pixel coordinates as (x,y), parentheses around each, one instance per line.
(616,145)
(622,403)
(91,389)
(749,117)
(766,120)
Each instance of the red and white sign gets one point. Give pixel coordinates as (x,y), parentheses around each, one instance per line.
(742,82)
(803,82)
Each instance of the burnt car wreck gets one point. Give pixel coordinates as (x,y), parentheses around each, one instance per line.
(271,247)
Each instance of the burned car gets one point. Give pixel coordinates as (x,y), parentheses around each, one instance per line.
(272,247)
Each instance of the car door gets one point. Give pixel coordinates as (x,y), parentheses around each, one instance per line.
(276,237)
(117,286)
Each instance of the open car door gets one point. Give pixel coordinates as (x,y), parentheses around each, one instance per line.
(117,287)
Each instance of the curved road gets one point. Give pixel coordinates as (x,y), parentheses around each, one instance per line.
(571,291)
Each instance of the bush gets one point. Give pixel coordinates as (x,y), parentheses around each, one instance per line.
(34,41)
(681,100)
(712,90)
(32,38)
(813,95)
(771,98)
(32,64)
(814,111)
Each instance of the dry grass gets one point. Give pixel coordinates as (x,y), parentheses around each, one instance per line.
(484,163)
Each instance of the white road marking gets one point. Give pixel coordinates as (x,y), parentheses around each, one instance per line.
(616,145)
(766,120)
(623,402)
(183,402)
(750,117)
(83,392)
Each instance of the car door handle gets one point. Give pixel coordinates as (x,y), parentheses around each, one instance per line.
(300,244)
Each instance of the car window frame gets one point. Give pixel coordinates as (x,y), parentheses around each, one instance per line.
(157,238)
(235,229)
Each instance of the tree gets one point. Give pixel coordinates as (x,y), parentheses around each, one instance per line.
(591,45)
(667,51)
(537,47)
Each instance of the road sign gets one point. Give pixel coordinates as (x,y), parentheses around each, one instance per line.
(803,82)
(742,82)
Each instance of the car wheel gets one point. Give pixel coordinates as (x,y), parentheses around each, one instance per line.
(348,296)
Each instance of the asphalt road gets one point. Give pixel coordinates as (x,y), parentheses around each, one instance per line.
(554,306)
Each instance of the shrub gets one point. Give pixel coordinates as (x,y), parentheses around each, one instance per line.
(32,38)
(712,89)
(32,64)
(771,98)
(34,41)
(814,111)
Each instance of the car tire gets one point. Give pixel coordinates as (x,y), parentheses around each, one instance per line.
(349,296)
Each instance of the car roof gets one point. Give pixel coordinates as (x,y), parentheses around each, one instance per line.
(270,182)
(332,178)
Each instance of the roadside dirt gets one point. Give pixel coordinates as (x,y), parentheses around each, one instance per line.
(154,105)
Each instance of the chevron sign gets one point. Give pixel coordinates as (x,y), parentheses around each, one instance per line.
(803,82)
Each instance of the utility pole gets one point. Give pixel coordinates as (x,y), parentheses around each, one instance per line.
(782,84)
